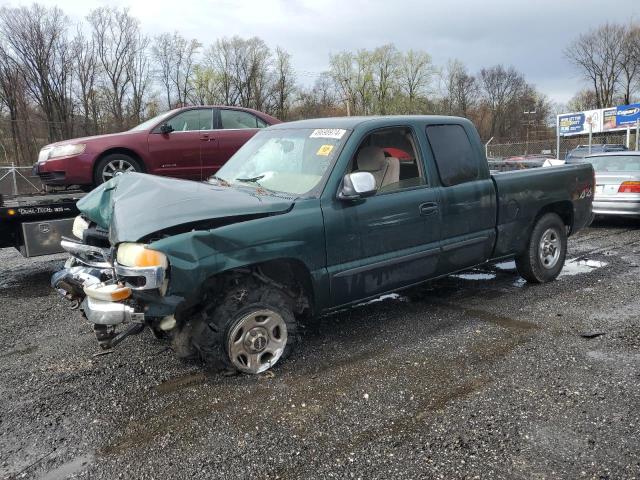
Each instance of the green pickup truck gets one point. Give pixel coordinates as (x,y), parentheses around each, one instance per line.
(307,218)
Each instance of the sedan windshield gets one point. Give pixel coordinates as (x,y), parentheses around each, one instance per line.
(615,163)
(292,161)
(153,121)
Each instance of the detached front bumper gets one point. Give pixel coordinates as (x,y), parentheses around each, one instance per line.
(102,312)
(109,294)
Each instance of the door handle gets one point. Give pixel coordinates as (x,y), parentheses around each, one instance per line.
(206,138)
(428,208)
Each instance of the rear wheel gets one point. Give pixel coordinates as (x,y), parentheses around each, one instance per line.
(546,252)
(114,165)
(250,330)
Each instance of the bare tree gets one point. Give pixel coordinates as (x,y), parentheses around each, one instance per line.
(386,72)
(630,62)
(140,77)
(13,96)
(284,85)
(501,87)
(461,89)
(36,40)
(116,35)
(598,56)
(343,74)
(322,100)
(416,73)
(220,59)
(205,89)
(583,100)
(163,53)
(86,75)
(185,52)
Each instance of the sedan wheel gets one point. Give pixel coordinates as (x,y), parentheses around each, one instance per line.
(114,165)
(115,168)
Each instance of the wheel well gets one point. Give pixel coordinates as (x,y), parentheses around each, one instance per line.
(293,276)
(124,151)
(563,209)
(290,275)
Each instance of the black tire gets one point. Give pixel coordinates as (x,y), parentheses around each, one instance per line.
(211,333)
(530,265)
(119,159)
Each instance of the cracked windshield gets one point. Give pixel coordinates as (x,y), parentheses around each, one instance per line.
(291,161)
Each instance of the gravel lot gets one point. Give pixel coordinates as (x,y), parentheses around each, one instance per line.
(478,375)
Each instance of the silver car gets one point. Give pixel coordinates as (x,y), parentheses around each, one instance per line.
(617,183)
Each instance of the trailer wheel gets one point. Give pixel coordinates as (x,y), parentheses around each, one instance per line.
(249,330)
(546,252)
(113,165)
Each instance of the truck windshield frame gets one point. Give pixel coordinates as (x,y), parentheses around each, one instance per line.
(293,161)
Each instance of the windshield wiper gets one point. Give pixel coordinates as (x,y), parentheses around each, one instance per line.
(221,181)
(251,180)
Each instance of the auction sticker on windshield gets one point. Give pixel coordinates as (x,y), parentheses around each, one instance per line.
(336,133)
(324,150)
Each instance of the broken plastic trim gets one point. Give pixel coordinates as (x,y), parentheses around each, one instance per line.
(88,255)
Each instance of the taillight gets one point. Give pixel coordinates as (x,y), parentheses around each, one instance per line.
(629,187)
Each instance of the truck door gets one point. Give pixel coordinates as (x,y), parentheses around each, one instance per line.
(467,197)
(390,240)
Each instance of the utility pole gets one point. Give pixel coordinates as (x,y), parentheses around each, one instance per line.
(528,122)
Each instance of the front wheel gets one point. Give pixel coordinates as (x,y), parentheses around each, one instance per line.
(250,330)
(114,165)
(546,251)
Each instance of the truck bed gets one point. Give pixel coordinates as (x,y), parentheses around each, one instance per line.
(523,194)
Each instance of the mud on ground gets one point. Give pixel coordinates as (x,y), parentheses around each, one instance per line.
(477,375)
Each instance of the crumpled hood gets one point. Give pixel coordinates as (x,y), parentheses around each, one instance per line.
(135,205)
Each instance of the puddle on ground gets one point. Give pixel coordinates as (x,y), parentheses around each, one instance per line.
(383,298)
(69,468)
(506,266)
(519,282)
(475,276)
(577,267)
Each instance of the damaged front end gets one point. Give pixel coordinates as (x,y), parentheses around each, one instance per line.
(111,287)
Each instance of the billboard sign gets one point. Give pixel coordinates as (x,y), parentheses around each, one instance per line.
(578,123)
(609,119)
(627,115)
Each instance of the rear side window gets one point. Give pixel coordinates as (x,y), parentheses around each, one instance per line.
(453,153)
(237,119)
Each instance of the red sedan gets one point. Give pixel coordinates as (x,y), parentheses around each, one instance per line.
(191,142)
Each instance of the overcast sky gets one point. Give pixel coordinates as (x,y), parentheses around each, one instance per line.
(529,34)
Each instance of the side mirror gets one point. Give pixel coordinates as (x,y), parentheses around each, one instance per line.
(166,128)
(357,185)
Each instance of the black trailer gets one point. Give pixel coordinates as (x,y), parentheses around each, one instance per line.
(34,224)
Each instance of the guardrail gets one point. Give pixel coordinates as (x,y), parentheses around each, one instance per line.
(18,181)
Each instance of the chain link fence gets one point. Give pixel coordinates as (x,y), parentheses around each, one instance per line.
(515,148)
(18,181)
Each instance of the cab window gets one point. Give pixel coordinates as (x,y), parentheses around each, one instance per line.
(453,153)
(391,156)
